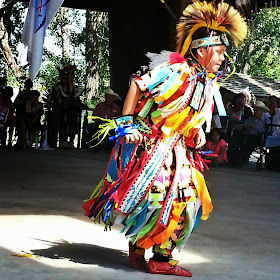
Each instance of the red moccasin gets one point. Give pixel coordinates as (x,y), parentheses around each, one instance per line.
(136,260)
(167,268)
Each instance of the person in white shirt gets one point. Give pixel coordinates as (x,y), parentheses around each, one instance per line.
(273,115)
(273,118)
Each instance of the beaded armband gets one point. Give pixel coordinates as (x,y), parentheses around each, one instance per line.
(123,121)
(123,125)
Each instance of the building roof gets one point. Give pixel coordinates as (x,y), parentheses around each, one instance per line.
(260,86)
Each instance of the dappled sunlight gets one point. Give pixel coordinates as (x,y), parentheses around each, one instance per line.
(66,242)
(31,233)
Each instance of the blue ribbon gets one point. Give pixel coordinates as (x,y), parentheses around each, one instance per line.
(197,75)
(198,216)
(121,131)
(206,152)
(108,207)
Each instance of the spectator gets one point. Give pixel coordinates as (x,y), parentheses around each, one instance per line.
(3,84)
(3,107)
(20,107)
(34,111)
(72,116)
(11,122)
(4,112)
(64,107)
(237,114)
(55,110)
(107,110)
(250,99)
(273,116)
(218,146)
(253,131)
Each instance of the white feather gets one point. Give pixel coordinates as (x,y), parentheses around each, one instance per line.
(157,58)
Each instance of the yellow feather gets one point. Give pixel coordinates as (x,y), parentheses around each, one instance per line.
(221,17)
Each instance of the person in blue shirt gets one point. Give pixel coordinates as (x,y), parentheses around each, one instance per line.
(253,131)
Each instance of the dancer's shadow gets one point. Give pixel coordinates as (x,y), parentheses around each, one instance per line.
(85,254)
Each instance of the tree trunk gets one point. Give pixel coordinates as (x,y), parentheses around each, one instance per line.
(64,32)
(250,49)
(93,20)
(6,51)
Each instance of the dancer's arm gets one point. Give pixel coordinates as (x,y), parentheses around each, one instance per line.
(129,106)
(200,139)
(131,99)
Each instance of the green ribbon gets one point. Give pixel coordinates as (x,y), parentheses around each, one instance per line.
(146,108)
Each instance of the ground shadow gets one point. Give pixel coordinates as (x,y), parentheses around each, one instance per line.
(85,254)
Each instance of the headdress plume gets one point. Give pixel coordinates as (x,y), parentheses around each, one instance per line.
(221,17)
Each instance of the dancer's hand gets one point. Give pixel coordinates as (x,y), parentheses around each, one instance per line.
(133,137)
(200,139)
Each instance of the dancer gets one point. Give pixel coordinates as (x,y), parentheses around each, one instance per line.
(153,180)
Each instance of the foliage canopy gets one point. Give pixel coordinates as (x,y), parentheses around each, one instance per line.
(260,53)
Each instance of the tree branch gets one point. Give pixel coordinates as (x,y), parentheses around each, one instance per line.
(7,7)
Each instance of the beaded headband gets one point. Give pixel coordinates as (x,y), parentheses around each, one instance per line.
(210,41)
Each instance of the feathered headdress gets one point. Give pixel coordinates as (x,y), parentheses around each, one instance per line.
(221,17)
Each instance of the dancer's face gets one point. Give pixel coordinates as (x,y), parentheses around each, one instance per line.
(212,57)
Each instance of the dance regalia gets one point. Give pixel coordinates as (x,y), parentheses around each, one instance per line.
(155,187)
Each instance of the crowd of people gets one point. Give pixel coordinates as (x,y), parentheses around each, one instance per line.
(249,124)
(64,110)
(31,121)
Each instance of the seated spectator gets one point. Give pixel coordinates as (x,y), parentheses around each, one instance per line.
(237,114)
(107,110)
(218,146)
(253,131)
(250,99)
(273,116)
